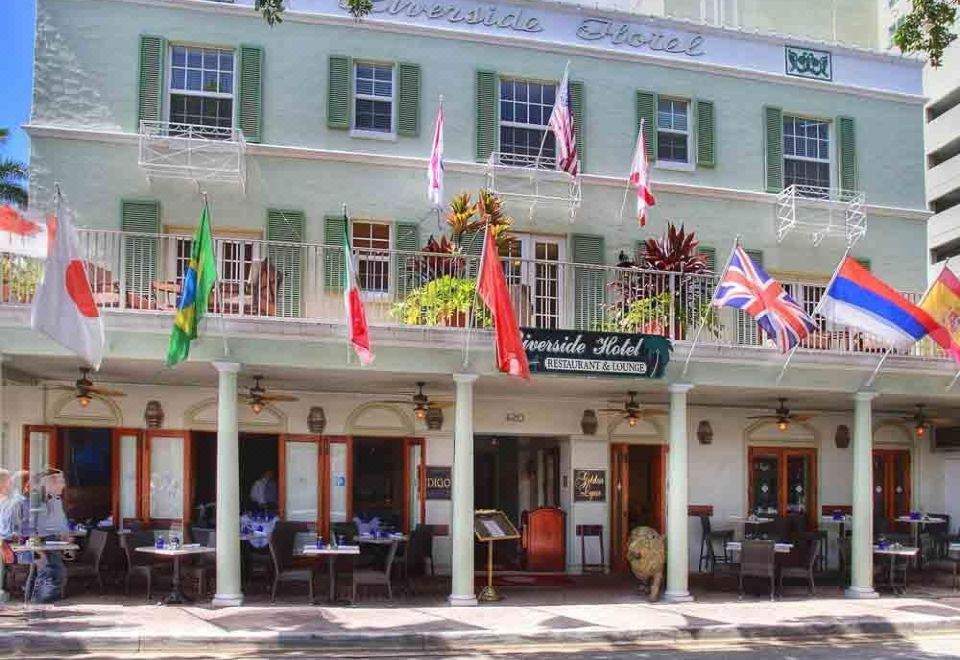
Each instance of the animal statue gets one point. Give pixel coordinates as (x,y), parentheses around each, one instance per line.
(646,552)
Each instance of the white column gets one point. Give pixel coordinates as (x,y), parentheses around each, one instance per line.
(861,547)
(461,525)
(677,552)
(228,489)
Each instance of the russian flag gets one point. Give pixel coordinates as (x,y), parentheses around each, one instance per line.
(858,299)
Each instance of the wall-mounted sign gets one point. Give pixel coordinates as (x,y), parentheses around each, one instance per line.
(808,63)
(439,482)
(589,485)
(608,353)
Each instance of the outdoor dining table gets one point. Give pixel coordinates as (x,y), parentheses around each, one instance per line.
(750,520)
(176,596)
(893,553)
(380,540)
(918,523)
(782,548)
(46,546)
(331,553)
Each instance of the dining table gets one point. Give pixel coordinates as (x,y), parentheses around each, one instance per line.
(895,552)
(46,546)
(176,596)
(781,548)
(918,522)
(331,553)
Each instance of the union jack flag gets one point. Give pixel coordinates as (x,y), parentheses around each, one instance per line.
(561,123)
(745,285)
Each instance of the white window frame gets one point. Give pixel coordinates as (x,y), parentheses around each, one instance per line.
(389,259)
(831,148)
(180,236)
(691,164)
(170,91)
(523,125)
(527,270)
(355,96)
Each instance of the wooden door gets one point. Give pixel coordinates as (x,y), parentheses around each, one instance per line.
(892,495)
(619,505)
(783,481)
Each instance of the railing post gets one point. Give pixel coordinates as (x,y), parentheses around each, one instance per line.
(673,307)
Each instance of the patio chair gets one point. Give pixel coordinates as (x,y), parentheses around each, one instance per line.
(819,539)
(376,577)
(195,571)
(939,535)
(757,560)
(284,569)
(105,289)
(139,564)
(708,536)
(88,563)
(800,563)
(263,287)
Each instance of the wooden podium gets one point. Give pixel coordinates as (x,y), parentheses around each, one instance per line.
(490,526)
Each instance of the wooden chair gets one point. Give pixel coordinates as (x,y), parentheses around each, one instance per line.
(543,539)
(376,577)
(88,563)
(757,559)
(281,554)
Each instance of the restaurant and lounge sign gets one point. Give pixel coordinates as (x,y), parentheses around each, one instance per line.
(599,353)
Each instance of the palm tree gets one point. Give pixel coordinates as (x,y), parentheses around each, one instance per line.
(13,175)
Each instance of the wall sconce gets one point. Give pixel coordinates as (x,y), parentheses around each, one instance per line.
(316,420)
(434,418)
(153,415)
(842,437)
(589,422)
(704,432)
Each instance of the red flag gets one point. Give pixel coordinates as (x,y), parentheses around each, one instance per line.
(640,178)
(492,289)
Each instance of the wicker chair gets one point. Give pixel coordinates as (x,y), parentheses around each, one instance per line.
(139,564)
(88,564)
(800,564)
(281,554)
(757,560)
(376,577)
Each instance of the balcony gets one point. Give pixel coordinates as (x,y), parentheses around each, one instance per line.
(192,152)
(821,213)
(534,181)
(276,283)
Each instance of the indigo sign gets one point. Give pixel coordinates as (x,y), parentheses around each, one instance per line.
(607,353)
(439,483)
(589,485)
(808,63)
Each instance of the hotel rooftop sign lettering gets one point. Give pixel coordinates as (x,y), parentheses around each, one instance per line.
(808,63)
(507,18)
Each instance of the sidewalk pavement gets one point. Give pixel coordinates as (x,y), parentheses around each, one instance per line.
(98,624)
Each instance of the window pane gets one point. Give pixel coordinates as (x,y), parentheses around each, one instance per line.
(179,56)
(179,78)
(765,480)
(226,60)
(374,115)
(226,83)
(672,147)
(194,58)
(209,81)
(194,79)
(798,484)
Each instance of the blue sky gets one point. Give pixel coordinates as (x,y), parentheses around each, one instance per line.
(16,74)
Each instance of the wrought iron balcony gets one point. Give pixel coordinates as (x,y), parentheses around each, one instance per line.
(533,181)
(193,152)
(274,282)
(821,213)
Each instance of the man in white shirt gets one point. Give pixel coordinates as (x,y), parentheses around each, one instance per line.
(263,493)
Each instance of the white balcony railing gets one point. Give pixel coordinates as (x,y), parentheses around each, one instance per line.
(193,152)
(821,213)
(533,181)
(279,282)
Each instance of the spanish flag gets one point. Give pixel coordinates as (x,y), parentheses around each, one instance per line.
(942,302)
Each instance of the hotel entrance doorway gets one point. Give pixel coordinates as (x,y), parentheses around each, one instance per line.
(637,495)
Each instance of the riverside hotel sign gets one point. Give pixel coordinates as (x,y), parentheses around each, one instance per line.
(596,353)
(557,24)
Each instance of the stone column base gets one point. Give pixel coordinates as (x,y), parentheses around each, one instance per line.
(861,593)
(227,600)
(462,601)
(677,597)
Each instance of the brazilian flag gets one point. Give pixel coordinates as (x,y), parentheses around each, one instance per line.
(198,281)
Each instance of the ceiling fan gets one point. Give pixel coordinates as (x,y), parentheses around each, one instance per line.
(921,420)
(782,416)
(630,409)
(258,398)
(421,402)
(84,389)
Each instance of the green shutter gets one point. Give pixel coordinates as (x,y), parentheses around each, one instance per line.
(756,255)
(140,253)
(773,137)
(589,285)
(640,252)
(150,100)
(408,100)
(471,244)
(847,145)
(647,111)
(406,239)
(250,93)
(578,104)
(287,226)
(486,114)
(706,141)
(711,257)
(334,228)
(338,92)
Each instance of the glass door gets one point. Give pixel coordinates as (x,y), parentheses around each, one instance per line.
(764,483)
(783,482)
(338,480)
(891,485)
(166,472)
(415,480)
(533,273)
(299,483)
(127,459)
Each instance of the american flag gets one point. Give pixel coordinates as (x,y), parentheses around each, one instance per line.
(435,172)
(745,285)
(561,123)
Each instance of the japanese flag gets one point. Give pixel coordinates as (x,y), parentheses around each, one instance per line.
(64,308)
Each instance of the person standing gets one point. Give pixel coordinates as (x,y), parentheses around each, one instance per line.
(263,493)
(12,504)
(51,524)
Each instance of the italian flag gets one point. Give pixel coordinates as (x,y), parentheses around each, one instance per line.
(356,315)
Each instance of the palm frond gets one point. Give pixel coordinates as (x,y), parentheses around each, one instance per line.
(13,193)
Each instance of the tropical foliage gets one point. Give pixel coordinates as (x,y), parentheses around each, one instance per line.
(447,300)
(272,10)
(13,177)
(929,28)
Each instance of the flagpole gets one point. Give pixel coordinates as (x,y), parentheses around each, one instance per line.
(626,188)
(223,328)
(543,142)
(953,382)
(816,311)
(476,294)
(703,317)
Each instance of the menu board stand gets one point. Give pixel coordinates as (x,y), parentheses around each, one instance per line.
(490,526)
